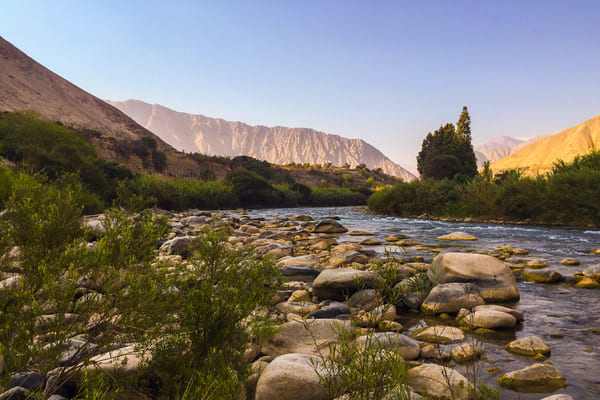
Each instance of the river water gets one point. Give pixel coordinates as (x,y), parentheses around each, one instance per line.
(562,315)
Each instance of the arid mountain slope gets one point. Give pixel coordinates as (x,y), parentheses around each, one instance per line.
(566,145)
(27,85)
(279,145)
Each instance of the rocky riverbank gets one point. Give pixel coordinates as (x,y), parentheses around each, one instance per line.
(336,287)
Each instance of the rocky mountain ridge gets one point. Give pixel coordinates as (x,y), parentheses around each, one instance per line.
(279,145)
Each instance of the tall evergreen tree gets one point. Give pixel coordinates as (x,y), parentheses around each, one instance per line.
(463,127)
(448,152)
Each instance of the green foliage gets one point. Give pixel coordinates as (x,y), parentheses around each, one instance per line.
(371,371)
(448,151)
(213,331)
(567,195)
(252,189)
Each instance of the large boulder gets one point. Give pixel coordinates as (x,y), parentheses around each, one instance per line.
(537,378)
(291,377)
(329,226)
(407,347)
(439,382)
(451,297)
(495,280)
(294,337)
(339,283)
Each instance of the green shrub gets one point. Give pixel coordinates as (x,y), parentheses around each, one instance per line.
(212,331)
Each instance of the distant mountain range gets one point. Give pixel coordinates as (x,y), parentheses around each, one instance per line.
(540,156)
(279,145)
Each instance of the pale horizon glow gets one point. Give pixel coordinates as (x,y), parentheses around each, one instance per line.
(386,72)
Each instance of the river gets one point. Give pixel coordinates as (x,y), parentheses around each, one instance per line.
(564,316)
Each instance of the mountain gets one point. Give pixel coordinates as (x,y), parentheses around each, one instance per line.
(540,156)
(500,147)
(27,85)
(279,145)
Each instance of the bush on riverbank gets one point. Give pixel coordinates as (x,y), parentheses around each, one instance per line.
(72,300)
(568,195)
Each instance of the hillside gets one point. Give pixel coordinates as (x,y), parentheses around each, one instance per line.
(539,157)
(279,145)
(27,85)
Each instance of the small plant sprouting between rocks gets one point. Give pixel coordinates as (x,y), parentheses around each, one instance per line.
(367,371)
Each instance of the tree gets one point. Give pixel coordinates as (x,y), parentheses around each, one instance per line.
(448,152)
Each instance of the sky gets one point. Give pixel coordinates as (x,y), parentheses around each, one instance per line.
(387,72)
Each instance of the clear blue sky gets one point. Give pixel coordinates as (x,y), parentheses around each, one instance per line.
(388,72)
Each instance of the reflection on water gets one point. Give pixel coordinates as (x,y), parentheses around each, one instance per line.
(562,315)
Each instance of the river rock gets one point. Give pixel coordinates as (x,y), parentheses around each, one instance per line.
(301,218)
(293,337)
(439,334)
(349,257)
(15,393)
(299,295)
(396,237)
(180,245)
(307,259)
(339,283)
(588,283)
(495,280)
(329,226)
(561,396)
(11,283)
(592,272)
(536,264)
(439,382)
(451,297)
(466,352)
(302,273)
(409,296)
(457,236)
(360,233)
(331,310)
(366,319)
(528,346)
(537,378)
(291,377)
(27,380)
(570,261)
(515,313)
(276,250)
(408,348)
(543,276)
(366,299)
(370,242)
(123,361)
(490,319)
(296,307)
